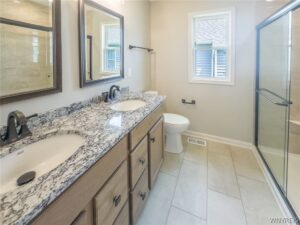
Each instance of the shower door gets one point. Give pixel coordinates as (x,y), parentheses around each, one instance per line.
(273,94)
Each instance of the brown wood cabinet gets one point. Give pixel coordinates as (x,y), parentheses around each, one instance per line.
(155,151)
(138,161)
(112,197)
(85,217)
(123,217)
(139,196)
(69,206)
(115,189)
(146,142)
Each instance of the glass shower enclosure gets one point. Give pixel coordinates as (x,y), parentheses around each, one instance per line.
(277,99)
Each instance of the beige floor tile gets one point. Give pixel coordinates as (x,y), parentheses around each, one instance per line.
(196,154)
(259,203)
(245,163)
(159,202)
(172,163)
(221,174)
(224,210)
(191,189)
(219,148)
(179,217)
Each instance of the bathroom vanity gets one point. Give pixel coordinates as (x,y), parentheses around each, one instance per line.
(107,180)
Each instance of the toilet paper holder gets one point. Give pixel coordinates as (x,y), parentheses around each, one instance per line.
(192,102)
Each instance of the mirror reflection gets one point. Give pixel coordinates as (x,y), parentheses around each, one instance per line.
(27,64)
(103,44)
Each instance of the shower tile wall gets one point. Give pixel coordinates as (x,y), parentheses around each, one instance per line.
(26,55)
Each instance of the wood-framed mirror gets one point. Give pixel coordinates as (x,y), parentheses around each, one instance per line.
(101,33)
(30,53)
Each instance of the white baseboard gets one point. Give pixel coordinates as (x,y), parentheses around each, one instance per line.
(210,137)
(247,145)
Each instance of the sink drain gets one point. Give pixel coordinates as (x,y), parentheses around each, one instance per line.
(26,178)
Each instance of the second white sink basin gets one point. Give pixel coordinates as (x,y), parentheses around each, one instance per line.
(41,157)
(128,105)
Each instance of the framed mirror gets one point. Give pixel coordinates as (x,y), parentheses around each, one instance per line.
(30,56)
(101,33)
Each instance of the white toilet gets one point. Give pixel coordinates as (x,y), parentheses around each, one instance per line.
(174,126)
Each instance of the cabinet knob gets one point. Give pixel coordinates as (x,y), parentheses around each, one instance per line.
(142,161)
(152,139)
(117,200)
(142,195)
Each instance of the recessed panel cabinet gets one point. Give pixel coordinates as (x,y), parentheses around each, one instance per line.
(115,189)
(146,142)
(85,217)
(156,148)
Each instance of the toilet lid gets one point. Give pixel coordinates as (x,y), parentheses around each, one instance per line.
(171,118)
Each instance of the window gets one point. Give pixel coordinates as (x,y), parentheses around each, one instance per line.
(111,59)
(35,49)
(211,52)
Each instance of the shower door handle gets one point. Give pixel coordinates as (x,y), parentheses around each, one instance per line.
(284,102)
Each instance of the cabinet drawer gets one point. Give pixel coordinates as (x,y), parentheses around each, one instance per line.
(110,200)
(138,161)
(139,196)
(140,131)
(123,217)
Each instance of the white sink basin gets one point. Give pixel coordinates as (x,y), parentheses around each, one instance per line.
(41,157)
(128,105)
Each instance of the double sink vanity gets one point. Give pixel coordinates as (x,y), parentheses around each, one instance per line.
(94,163)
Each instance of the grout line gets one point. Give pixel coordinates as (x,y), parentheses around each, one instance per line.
(236,176)
(222,193)
(187,212)
(177,178)
(166,173)
(250,178)
(208,146)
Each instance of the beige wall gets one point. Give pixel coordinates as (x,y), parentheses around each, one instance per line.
(137,32)
(226,111)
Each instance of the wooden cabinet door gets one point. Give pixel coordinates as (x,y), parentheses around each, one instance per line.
(123,217)
(139,197)
(156,148)
(112,197)
(85,217)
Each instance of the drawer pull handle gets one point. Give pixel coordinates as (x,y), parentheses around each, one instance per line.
(142,161)
(143,195)
(117,200)
(152,139)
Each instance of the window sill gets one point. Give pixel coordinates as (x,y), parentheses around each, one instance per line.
(212,81)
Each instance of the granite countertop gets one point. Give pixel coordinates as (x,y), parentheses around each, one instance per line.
(101,127)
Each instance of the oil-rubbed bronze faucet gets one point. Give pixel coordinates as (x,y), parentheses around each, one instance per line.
(112,91)
(16,127)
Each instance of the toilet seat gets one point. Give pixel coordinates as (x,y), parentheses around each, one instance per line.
(175,120)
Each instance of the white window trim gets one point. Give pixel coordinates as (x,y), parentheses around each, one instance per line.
(103,71)
(231,48)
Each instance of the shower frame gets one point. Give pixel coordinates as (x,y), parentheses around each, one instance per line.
(288,8)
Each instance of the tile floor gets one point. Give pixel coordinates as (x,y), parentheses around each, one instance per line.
(214,185)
